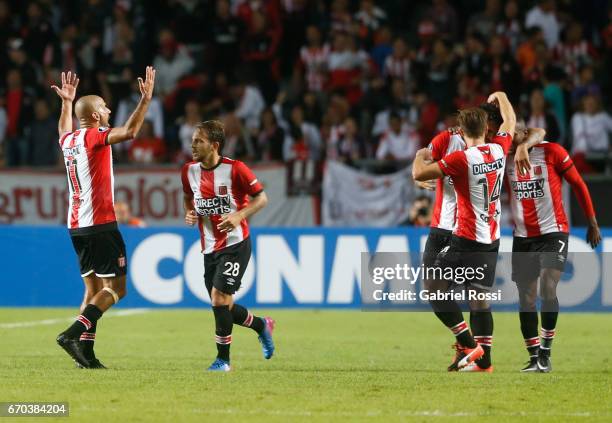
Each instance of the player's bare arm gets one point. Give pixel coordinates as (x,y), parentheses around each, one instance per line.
(524,140)
(231,221)
(134,122)
(506,110)
(428,185)
(67,92)
(423,169)
(191,218)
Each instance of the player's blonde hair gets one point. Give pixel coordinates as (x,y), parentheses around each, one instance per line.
(473,122)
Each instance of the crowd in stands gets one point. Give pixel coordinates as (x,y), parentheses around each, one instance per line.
(306,79)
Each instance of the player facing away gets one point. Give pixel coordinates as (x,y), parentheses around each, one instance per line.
(540,244)
(216,197)
(476,174)
(445,204)
(91,218)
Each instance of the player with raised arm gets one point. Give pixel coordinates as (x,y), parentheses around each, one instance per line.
(91,218)
(216,197)
(477,174)
(541,235)
(444,212)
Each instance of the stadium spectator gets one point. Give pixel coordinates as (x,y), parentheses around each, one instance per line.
(250,103)
(505,74)
(574,52)
(172,61)
(420,211)
(349,146)
(382,47)
(19,101)
(302,140)
(400,142)
(271,137)
(369,18)
(38,35)
(124,216)
(155,113)
(440,74)
(591,130)
(147,148)
(444,17)
(187,124)
(3,125)
(586,85)
(225,33)
(18,59)
(473,61)
(398,103)
(510,27)
(544,15)
(398,65)
(41,136)
(485,22)
(469,93)
(540,117)
(526,53)
(260,55)
(312,63)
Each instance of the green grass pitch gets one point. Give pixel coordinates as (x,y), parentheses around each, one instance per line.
(329,366)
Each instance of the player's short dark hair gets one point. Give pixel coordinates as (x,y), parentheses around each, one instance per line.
(493,113)
(214,130)
(473,121)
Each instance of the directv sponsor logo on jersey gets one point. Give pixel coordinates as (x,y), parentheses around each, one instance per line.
(528,190)
(213,206)
(71,152)
(480,168)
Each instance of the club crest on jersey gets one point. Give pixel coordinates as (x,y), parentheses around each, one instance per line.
(222,190)
(121,261)
(537,170)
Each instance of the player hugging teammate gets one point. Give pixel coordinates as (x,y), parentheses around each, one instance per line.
(540,245)
(476,173)
(464,233)
(216,191)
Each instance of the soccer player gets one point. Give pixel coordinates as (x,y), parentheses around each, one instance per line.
(476,175)
(541,240)
(444,212)
(216,191)
(91,219)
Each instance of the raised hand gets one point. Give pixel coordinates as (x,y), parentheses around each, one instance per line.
(70,82)
(146,86)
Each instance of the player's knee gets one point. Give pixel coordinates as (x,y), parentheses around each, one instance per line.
(219,298)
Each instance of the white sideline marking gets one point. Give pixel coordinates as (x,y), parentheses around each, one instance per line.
(118,313)
(433,413)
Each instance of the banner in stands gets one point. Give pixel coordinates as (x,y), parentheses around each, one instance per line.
(154,194)
(357,198)
(291,267)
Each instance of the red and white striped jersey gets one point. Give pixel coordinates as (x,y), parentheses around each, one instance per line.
(445,205)
(536,200)
(397,68)
(477,174)
(221,190)
(89,167)
(314,61)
